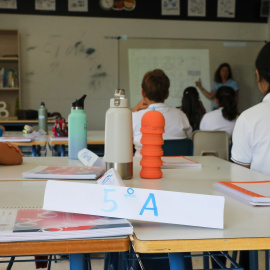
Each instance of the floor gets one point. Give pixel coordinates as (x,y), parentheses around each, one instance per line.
(99,264)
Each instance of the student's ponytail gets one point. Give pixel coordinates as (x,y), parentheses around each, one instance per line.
(226,98)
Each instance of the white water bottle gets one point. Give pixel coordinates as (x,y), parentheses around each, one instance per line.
(42,117)
(118,136)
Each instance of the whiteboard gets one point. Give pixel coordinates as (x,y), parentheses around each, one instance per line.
(241,55)
(182,66)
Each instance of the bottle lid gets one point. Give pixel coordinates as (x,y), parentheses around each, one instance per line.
(153,122)
(79,103)
(42,104)
(119,100)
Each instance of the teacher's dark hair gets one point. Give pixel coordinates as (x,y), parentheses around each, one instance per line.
(217,77)
(226,98)
(263,63)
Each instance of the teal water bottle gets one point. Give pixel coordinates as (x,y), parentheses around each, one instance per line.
(42,117)
(77,128)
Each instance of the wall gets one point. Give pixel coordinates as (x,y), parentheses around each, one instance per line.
(65,57)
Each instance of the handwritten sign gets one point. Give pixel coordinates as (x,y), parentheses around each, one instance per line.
(135,203)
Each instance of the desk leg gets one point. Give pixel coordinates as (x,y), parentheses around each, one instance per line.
(62,149)
(177,261)
(77,262)
(267,262)
(253,259)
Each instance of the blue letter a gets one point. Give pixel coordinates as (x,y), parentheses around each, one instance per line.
(150,197)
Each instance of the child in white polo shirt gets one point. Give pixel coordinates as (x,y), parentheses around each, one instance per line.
(155,90)
(251,140)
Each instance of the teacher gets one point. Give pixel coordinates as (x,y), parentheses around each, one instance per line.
(223,77)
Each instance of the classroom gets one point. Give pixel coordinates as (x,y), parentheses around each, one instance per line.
(66,53)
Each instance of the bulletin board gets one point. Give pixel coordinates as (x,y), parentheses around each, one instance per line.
(185,61)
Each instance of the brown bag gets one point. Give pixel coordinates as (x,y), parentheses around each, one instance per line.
(9,155)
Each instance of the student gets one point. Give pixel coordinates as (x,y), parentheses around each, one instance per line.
(10,154)
(155,90)
(225,116)
(192,107)
(251,140)
(223,77)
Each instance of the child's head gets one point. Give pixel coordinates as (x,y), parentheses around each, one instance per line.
(225,98)
(223,69)
(155,85)
(263,64)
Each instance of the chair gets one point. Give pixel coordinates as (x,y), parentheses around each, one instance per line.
(180,147)
(211,143)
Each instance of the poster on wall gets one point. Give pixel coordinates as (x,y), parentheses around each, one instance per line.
(10,4)
(170,7)
(196,8)
(226,9)
(78,5)
(45,5)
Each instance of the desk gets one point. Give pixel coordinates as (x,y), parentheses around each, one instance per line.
(35,145)
(245,227)
(14,124)
(31,194)
(94,138)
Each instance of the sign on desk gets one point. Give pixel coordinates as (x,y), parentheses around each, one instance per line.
(135,203)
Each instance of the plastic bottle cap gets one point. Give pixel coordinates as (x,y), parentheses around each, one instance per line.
(79,103)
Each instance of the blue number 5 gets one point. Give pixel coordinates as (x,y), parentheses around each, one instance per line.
(108,201)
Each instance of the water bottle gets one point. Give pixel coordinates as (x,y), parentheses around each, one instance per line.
(42,117)
(77,128)
(118,152)
(152,128)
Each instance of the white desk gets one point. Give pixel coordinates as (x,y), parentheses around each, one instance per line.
(35,144)
(246,227)
(94,137)
(23,194)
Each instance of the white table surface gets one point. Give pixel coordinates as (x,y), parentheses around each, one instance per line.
(241,220)
(42,140)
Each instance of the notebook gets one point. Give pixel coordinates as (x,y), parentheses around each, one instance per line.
(179,162)
(39,224)
(253,193)
(64,172)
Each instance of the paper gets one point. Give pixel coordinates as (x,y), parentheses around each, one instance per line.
(196,8)
(90,159)
(111,177)
(226,9)
(135,203)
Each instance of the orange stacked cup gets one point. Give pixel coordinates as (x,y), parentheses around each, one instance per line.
(152,128)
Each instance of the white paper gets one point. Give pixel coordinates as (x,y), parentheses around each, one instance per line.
(78,5)
(135,203)
(90,159)
(226,9)
(111,177)
(8,4)
(197,8)
(45,5)
(170,7)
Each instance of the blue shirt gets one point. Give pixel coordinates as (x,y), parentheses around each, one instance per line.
(231,83)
